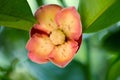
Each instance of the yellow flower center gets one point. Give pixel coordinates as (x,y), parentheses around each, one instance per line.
(57,37)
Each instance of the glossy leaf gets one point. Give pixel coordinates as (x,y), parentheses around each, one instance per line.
(99,14)
(16,14)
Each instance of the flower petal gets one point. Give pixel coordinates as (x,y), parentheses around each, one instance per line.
(35,30)
(39,47)
(63,54)
(46,15)
(36,58)
(69,21)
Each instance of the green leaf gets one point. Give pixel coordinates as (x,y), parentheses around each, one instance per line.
(16,14)
(111,41)
(40,2)
(114,73)
(63,3)
(99,14)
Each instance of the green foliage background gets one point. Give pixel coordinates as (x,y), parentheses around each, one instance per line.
(97,59)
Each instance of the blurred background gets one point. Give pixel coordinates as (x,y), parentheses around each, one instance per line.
(97,59)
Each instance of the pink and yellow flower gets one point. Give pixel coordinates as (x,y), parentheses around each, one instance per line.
(57,35)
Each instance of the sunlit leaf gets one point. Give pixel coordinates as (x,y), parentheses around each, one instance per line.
(16,14)
(99,14)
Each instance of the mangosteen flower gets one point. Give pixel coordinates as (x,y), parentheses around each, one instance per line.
(57,35)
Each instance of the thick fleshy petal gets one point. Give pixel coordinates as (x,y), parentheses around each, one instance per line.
(63,54)
(39,47)
(68,20)
(38,31)
(36,58)
(46,15)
